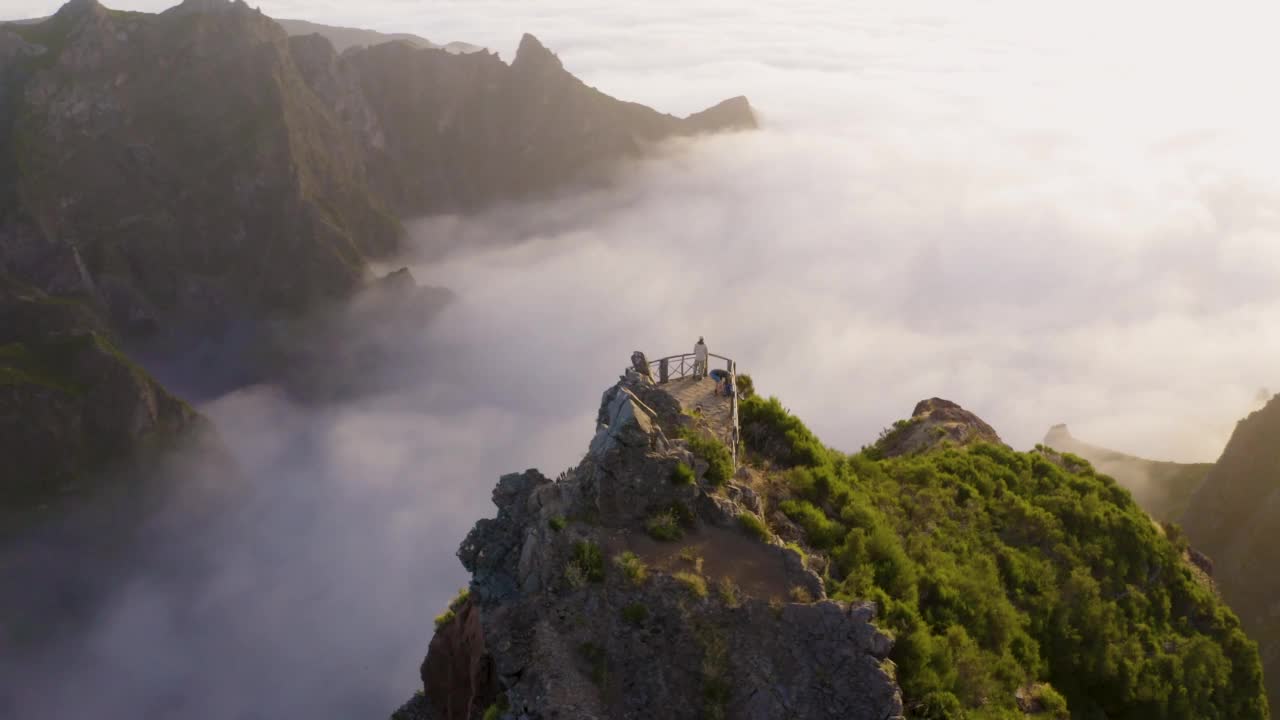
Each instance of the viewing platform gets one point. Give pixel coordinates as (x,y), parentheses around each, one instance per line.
(702,397)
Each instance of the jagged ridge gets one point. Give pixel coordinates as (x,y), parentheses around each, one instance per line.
(1013,583)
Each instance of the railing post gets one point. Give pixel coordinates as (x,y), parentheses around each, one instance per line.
(662,370)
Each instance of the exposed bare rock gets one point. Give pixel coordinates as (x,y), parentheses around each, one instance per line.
(585,616)
(206,168)
(458,671)
(934,422)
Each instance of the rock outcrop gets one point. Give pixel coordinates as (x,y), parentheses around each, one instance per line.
(935,422)
(583,615)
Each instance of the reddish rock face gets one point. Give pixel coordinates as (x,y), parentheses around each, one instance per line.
(458,673)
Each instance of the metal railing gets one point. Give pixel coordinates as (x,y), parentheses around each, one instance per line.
(679,366)
(665,369)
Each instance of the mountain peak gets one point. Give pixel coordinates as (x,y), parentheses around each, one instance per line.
(732,114)
(934,422)
(75,8)
(1058,433)
(533,54)
(189,7)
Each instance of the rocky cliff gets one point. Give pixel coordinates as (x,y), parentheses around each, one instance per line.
(1163,489)
(634,587)
(72,407)
(205,166)
(935,574)
(1235,518)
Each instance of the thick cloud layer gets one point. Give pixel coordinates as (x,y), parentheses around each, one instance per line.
(1047,218)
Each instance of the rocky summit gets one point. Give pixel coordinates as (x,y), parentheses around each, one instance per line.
(635,586)
(933,422)
(935,574)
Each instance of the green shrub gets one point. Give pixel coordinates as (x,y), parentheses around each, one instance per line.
(994,568)
(692,582)
(682,474)
(495,711)
(455,605)
(768,429)
(635,613)
(556,523)
(716,454)
(801,594)
(755,527)
(730,593)
(664,526)
(1051,703)
(588,558)
(632,567)
(821,531)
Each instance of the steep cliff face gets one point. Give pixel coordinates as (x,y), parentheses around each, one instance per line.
(206,166)
(190,164)
(1235,518)
(72,407)
(632,587)
(1163,489)
(463,131)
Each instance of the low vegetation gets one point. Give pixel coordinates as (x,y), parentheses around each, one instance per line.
(692,582)
(730,593)
(755,527)
(996,570)
(715,453)
(451,612)
(588,561)
(635,613)
(631,567)
(682,474)
(664,526)
(801,595)
(556,523)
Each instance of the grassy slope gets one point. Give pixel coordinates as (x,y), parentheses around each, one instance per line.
(999,570)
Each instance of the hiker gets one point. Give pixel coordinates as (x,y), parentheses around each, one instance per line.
(722,380)
(700,359)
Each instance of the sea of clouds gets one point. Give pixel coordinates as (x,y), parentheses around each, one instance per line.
(1048,215)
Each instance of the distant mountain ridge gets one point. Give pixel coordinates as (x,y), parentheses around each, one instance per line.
(1163,489)
(203,163)
(346,37)
(181,175)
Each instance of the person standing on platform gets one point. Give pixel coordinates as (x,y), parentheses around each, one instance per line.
(700,359)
